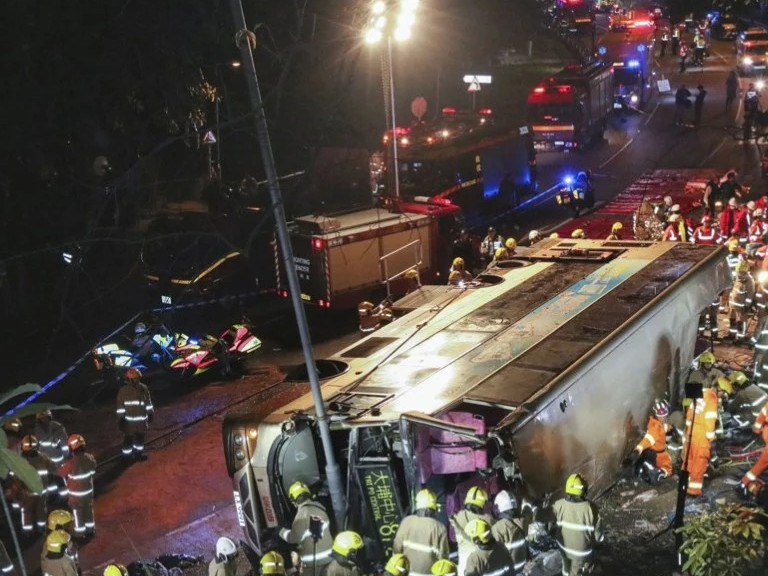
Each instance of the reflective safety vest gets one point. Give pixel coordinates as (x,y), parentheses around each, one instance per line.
(78,473)
(671,234)
(703,236)
(52,437)
(756,230)
(578,527)
(701,43)
(493,560)
(742,293)
(656,436)
(134,405)
(761,422)
(732,259)
(45,469)
(300,536)
(676,33)
(664,37)
(423,540)
(510,532)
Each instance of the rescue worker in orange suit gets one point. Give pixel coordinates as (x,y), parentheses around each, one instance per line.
(420,536)
(311,555)
(740,302)
(78,473)
(751,482)
(510,529)
(474,503)
(490,557)
(347,556)
(579,527)
(654,461)
(56,561)
(700,425)
(134,413)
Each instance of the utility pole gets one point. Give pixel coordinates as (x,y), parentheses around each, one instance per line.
(333,473)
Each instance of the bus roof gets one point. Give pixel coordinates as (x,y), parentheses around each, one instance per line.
(505,344)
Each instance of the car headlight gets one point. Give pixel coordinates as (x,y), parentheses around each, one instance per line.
(747,61)
(633,99)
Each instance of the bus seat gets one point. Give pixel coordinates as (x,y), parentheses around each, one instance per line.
(450,453)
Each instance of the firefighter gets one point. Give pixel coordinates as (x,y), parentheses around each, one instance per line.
(757,228)
(398,565)
(700,425)
(740,301)
(347,555)
(510,529)
(750,482)
(56,561)
(474,503)
(616,231)
(465,248)
(653,459)
(707,373)
(134,413)
(579,234)
(444,568)
(746,401)
(732,221)
(35,511)
(14,434)
(52,437)
(6,565)
(78,473)
(271,564)
(664,42)
(489,557)
(413,283)
(458,266)
(223,564)
(311,521)
(675,230)
(534,236)
(115,570)
(705,234)
(675,39)
(578,527)
(511,246)
(420,536)
(490,244)
(500,255)
(751,109)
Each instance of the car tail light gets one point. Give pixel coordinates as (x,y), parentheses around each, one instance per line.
(318,244)
(324,303)
(282,293)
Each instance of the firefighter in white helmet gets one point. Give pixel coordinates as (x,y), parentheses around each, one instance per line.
(78,473)
(310,531)
(421,536)
(223,563)
(510,529)
(134,413)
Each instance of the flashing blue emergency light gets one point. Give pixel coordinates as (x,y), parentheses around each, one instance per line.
(602,50)
(568,180)
(641,47)
(633,64)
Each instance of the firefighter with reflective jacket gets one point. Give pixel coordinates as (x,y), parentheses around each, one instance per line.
(740,301)
(510,529)
(33,507)
(578,527)
(700,431)
(616,231)
(707,373)
(746,401)
(751,108)
(78,473)
(310,531)
(459,267)
(653,458)
(474,502)
(750,482)
(223,564)
(490,244)
(421,537)
(444,567)
(271,564)
(52,437)
(56,561)
(757,227)
(134,413)
(62,520)
(347,555)
(489,557)
(397,565)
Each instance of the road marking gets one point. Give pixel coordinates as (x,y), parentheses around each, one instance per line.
(619,151)
(723,58)
(717,148)
(650,116)
(194,522)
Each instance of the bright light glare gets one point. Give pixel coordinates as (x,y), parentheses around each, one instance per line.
(372,36)
(378,7)
(381,23)
(760,84)
(748,61)
(633,98)
(402,34)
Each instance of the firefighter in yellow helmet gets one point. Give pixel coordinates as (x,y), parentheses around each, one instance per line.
(500,255)
(459,266)
(474,505)
(579,234)
(398,565)
(60,519)
(115,570)
(310,532)
(56,561)
(578,527)
(454,278)
(740,302)
(412,281)
(489,557)
(421,536)
(616,231)
(511,246)
(554,236)
(224,562)
(746,401)
(78,473)
(444,568)
(707,373)
(272,564)
(347,555)
(134,413)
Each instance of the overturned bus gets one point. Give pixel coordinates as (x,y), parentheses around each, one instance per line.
(546,365)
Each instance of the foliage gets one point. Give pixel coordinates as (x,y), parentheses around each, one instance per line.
(724,542)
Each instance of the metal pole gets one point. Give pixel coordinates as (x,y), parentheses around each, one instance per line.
(394,124)
(332,470)
(218,140)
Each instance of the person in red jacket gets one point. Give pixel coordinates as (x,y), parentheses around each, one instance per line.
(733,222)
(705,234)
(758,227)
(675,230)
(653,460)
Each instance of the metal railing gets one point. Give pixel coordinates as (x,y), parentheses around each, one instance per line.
(384,263)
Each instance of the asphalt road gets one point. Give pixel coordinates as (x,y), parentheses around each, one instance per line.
(180,500)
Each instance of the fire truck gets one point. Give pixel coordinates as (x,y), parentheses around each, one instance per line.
(631,52)
(577,15)
(546,365)
(571,108)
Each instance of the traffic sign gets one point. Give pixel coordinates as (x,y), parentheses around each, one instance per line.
(419,107)
(478,79)
(209,138)
(473,87)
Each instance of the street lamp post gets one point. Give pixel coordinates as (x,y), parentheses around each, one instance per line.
(391,19)
(217,103)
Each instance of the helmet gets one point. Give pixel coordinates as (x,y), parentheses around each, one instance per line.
(412,274)
(758,213)
(505,501)
(458,262)
(554,235)
(348,544)
(225,549)
(616,227)
(479,531)
(75,441)
(133,374)
(298,489)
(454,276)
(57,541)
(426,500)
(491,229)
(706,219)
(398,565)
(140,328)
(675,208)
(476,496)
(751,205)
(707,358)
(660,409)
(272,563)
(115,570)
(500,253)
(12,425)
(739,378)
(29,443)
(733,245)
(733,203)
(511,243)
(578,233)
(742,266)
(534,235)
(575,485)
(725,385)
(386,315)
(365,306)
(674,217)
(44,415)
(58,519)
(443,568)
